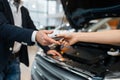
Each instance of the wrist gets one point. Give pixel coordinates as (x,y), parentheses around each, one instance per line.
(34,36)
(77,37)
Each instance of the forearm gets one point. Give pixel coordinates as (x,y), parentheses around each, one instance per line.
(104,37)
(12,33)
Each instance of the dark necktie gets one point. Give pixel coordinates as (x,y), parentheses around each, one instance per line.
(16,5)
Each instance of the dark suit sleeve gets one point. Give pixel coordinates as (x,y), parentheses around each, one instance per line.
(10,32)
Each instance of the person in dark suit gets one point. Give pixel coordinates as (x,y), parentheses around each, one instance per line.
(17,27)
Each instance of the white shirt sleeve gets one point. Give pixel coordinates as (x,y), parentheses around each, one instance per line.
(33,36)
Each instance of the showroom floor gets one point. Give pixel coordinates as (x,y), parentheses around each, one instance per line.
(25,71)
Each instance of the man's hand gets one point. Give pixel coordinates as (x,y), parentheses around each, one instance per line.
(43,39)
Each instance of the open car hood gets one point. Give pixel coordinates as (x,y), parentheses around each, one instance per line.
(80,12)
(87,61)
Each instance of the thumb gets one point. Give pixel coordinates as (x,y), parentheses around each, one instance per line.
(48,31)
(64,35)
(61,35)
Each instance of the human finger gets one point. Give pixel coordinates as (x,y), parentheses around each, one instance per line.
(48,31)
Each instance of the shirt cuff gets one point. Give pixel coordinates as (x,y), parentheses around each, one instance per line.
(33,36)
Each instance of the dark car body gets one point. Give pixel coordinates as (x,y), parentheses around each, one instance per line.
(83,61)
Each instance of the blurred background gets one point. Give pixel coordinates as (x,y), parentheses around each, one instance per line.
(45,12)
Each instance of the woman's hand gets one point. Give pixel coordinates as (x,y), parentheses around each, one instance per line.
(68,39)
